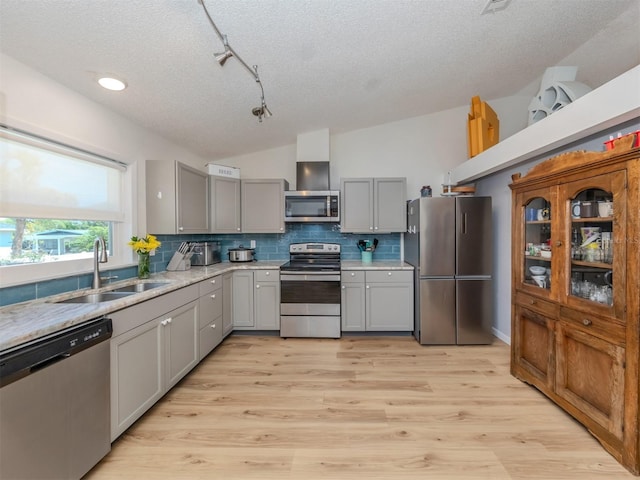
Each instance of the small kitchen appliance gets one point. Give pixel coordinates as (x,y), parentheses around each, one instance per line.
(242,254)
(205,253)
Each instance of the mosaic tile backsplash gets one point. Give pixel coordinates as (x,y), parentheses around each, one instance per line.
(269,246)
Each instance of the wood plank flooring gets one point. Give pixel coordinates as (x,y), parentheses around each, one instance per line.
(355,408)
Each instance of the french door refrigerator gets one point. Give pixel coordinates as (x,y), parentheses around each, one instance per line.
(449,243)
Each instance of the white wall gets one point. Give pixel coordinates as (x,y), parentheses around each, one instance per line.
(37,104)
(423,149)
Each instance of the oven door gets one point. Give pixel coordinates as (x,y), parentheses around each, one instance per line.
(309,293)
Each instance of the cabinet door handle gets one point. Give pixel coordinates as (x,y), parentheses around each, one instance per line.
(267,273)
(257,286)
(180,229)
(343,287)
(213,281)
(586,322)
(213,296)
(558,243)
(165,322)
(213,325)
(389,273)
(367,286)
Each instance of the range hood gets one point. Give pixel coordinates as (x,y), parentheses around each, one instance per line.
(312,161)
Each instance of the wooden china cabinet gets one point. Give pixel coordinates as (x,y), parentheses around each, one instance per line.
(576,292)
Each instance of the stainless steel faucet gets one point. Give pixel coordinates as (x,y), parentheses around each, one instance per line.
(98,246)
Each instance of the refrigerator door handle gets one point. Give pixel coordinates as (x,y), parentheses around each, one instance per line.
(463,224)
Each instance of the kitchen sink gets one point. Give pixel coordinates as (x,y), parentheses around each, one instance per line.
(97,297)
(139,287)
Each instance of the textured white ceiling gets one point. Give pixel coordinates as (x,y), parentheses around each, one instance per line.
(337,64)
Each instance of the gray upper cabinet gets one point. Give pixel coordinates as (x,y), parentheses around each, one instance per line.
(177,198)
(225,204)
(373,205)
(262,205)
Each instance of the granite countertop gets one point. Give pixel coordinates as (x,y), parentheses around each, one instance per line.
(24,322)
(375,265)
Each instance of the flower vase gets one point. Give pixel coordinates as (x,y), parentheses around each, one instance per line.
(143,265)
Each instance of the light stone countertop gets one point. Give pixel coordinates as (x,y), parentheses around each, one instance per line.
(27,321)
(375,265)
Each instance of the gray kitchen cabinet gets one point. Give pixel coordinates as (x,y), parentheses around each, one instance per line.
(373,205)
(262,205)
(267,299)
(256,299)
(352,303)
(224,207)
(243,312)
(177,198)
(210,315)
(389,298)
(377,300)
(154,344)
(227,303)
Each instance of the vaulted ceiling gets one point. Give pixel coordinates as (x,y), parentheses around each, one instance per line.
(337,64)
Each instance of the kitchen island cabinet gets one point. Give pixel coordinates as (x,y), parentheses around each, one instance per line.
(154,345)
(373,205)
(377,301)
(177,198)
(575,284)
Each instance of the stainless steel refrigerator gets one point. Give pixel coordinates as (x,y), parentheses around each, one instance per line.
(449,242)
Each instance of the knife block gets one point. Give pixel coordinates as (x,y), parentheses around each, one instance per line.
(179,262)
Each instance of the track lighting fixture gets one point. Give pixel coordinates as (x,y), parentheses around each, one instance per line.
(262,111)
(222,57)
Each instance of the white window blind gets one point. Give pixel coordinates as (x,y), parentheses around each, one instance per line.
(41,179)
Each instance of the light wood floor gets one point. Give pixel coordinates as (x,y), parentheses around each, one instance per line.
(355,408)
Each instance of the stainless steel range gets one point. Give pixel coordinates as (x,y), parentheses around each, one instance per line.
(310,291)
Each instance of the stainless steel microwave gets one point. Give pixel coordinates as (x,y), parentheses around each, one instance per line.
(312,206)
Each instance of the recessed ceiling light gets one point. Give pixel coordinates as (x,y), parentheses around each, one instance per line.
(111,83)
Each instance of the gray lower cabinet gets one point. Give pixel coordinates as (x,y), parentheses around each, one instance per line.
(377,300)
(225,204)
(227,304)
(243,316)
(256,299)
(267,299)
(373,205)
(352,302)
(154,345)
(210,315)
(262,205)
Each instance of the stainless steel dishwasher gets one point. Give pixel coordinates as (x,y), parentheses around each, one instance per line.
(54,404)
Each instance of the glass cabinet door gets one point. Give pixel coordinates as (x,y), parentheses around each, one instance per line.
(596,239)
(537,242)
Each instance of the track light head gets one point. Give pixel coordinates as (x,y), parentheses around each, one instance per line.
(221,58)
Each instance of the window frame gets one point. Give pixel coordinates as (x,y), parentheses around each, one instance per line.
(120,255)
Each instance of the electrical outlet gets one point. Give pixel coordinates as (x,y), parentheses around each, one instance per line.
(253,244)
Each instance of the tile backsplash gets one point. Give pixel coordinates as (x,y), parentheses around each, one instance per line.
(269,246)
